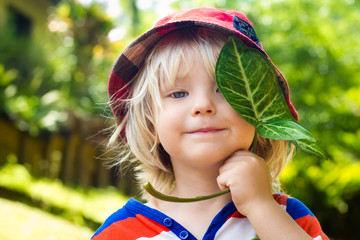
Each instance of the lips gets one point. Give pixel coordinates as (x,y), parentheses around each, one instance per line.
(206,130)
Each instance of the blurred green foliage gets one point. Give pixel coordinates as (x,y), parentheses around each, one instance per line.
(87,207)
(315,44)
(46,76)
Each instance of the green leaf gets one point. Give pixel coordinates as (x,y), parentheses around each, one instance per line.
(152,191)
(248,81)
(283,130)
(310,147)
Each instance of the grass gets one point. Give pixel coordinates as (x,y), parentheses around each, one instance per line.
(19,221)
(48,209)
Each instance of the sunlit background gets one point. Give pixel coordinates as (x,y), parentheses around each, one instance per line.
(55,58)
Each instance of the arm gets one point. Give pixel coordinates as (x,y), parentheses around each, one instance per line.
(270,221)
(247,176)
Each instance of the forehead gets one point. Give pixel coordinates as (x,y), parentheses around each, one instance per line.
(174,55)
(176,62)
(189,68)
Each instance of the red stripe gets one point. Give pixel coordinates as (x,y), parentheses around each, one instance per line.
(312,226)
(281,199)
(131,228)
(236,215)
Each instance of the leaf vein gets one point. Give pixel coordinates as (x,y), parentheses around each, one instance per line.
(246,80)
(267,106)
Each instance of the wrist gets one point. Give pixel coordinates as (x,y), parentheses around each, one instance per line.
(271,221)
(257,206)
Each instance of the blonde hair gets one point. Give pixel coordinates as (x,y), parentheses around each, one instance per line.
(142,148)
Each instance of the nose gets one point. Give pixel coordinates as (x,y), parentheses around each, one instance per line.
(204,105)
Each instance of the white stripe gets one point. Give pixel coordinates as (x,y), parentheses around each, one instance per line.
(162,236)
(318,238)
(236,228)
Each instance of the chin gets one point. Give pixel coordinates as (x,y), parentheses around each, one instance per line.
(211,157)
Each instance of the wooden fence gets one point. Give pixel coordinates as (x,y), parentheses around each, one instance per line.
(77,155)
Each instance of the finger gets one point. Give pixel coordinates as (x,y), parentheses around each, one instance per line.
(222,182)
(235,158)
(244,153)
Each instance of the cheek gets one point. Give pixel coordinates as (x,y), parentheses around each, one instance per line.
(167,135)
(244,130)
(168,124)
(247,131)
(250,132)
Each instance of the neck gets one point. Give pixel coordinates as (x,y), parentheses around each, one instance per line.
(193,182)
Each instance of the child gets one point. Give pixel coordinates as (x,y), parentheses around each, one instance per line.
(188,141)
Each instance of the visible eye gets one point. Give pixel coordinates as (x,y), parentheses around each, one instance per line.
(218,91)
(179,94)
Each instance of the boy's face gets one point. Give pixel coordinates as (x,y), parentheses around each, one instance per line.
(196,125)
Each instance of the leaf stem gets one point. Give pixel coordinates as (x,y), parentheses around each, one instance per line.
(254,143)
(152,191)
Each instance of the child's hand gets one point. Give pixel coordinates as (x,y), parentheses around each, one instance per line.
(248,178)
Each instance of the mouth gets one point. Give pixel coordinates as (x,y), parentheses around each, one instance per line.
(206,130)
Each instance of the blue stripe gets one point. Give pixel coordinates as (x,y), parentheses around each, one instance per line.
(219,220)
(297,209)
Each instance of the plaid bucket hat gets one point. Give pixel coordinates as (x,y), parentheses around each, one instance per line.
(229,22)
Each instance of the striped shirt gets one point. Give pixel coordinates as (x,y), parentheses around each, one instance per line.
(136,221)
